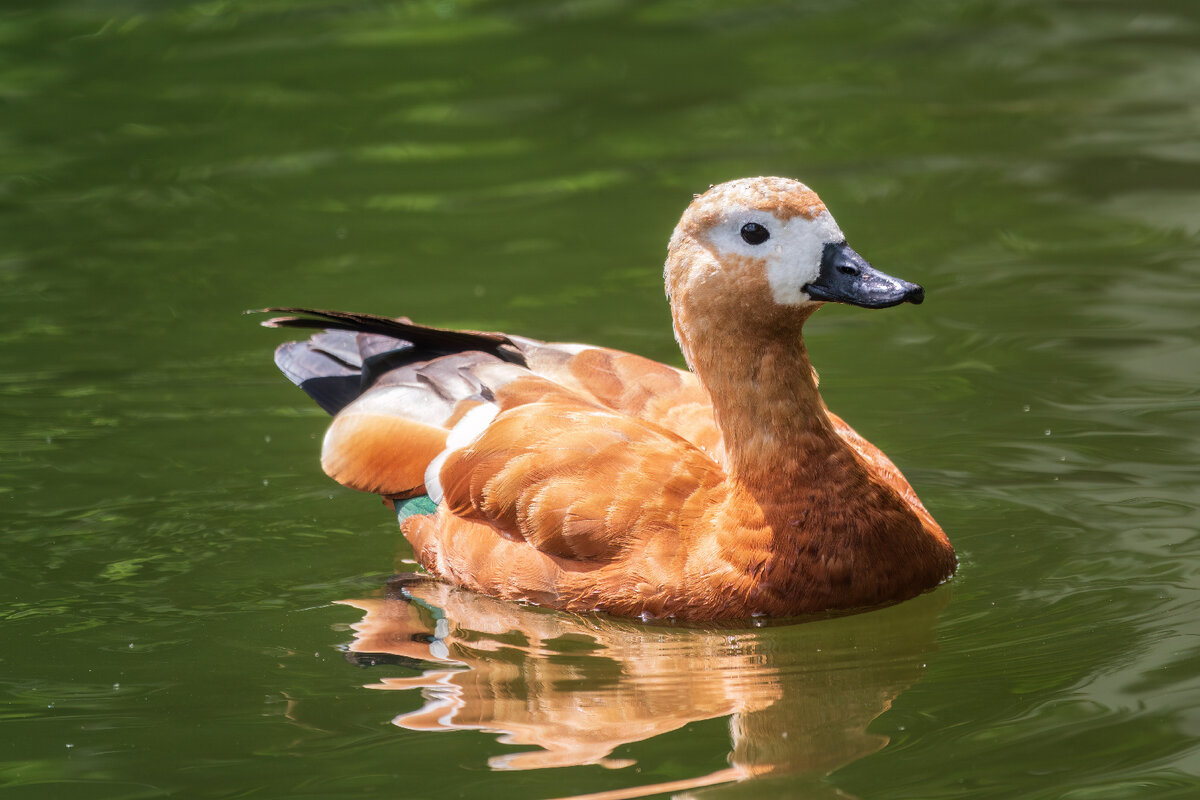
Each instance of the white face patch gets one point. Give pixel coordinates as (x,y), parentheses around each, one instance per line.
(792,253)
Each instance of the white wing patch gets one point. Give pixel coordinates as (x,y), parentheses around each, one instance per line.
(464,434)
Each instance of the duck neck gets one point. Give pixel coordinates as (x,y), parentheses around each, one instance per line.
(779,440)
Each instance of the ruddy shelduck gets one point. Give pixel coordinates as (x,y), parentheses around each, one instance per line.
(589,479)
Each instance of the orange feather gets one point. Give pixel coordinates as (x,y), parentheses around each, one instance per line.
(587,479)
(380,454)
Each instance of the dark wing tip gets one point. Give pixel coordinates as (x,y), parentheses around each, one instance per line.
(443,340)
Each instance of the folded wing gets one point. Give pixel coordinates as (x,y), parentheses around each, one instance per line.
(396,389)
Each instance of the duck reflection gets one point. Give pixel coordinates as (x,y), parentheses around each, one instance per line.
(575,688)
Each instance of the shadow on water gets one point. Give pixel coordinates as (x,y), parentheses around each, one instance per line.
(572,689)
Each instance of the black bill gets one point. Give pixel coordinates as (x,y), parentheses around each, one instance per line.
(846,277)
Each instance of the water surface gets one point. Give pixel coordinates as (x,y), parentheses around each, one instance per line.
(191,608)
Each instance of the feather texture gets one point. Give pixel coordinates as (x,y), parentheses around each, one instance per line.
(586,478)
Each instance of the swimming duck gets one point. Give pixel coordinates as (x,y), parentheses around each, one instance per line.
(588,479)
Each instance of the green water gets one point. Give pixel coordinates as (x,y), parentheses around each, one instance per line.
(175,564)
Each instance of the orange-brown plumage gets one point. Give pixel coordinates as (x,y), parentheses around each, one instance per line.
(590,479)
(380,454)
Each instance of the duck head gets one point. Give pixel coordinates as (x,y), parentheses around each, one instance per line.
(767,251)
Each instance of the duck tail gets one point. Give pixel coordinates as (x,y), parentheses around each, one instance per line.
(351,351)
(422,336)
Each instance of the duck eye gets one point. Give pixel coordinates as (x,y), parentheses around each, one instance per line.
(753,233)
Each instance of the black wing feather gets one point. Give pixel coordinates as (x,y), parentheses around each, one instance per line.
(355,351)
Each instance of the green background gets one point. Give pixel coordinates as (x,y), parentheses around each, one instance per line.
(172,556)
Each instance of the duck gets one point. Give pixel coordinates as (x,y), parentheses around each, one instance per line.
(588,479)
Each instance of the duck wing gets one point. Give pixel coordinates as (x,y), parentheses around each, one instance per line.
(396,389)
(629,384)
(553,480)
(549,498)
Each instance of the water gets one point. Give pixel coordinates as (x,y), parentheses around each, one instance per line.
(191,608)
